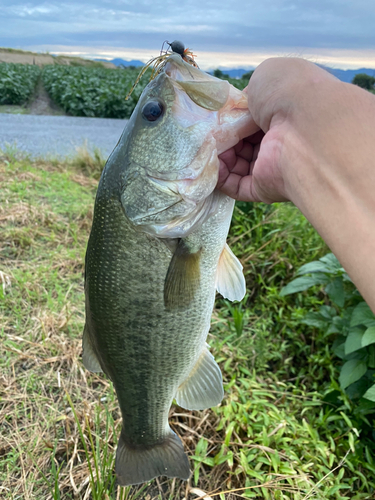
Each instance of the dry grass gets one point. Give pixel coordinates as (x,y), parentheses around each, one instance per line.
(59,423)
(9,55)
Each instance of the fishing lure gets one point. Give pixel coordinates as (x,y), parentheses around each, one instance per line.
(175,47)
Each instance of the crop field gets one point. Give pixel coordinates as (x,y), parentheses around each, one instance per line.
(91,91)
(78,90)
(17,82)
(96,92)
(286,429)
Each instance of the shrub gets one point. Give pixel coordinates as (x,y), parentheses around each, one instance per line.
(349,324)
(365,81)
(239,83)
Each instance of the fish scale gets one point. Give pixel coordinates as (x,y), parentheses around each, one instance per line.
(149,299)
(143,334)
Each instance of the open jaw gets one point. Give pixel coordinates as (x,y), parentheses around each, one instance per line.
(209,99)
(207,112)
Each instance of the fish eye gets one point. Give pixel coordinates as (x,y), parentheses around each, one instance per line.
(152,110)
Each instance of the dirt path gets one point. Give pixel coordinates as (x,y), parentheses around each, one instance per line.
(42,104)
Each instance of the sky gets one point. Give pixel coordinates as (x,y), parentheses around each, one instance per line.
(231,34)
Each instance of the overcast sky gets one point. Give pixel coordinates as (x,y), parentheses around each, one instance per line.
(236,33)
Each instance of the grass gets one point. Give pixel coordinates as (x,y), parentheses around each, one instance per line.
(275,436)
(13,109)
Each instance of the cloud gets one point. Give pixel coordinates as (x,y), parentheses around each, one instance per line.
(236,27)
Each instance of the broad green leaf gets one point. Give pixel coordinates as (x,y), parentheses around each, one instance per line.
(352,371)
(339,351)
(362,315)
(356,391)
(337,325)
(353,341)
(370,393)
(371,356)
(332,263)
(303,283)
(313,267)
(321,319)
(369,336)
(328,312)
(335,291)
(315,319)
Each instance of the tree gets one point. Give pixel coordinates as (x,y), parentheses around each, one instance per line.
(219,74)
(365,81)
(247,76)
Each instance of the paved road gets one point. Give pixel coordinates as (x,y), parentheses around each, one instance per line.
(58,136)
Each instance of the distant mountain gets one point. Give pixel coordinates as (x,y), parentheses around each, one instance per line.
(121,62)
(347,75)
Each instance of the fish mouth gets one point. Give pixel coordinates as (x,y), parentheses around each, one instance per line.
(171,196)
(179,70)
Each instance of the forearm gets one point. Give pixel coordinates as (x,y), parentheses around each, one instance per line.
(333,179)
(317,149)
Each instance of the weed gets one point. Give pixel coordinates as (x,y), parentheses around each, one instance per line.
(89,163)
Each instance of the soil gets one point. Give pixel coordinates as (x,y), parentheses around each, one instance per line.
(39,104)
(42,104)
(25,58)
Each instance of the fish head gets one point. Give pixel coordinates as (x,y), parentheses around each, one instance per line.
(184,119)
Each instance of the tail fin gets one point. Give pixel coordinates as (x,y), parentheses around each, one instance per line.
(135,465)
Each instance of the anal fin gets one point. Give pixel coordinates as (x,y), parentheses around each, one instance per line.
(204,386)
(89,357)
(230,281)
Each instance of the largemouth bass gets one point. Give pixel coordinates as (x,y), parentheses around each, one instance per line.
(156,254)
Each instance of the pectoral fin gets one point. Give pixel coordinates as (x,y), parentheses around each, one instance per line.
(204,386)
(211,95)
(183,277)
(230,281)
(89,357)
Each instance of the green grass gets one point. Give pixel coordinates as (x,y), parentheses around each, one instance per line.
(13,109)
(275,436)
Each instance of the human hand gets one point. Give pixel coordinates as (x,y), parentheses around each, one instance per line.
(246,171)
(257,168)
(316,150)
